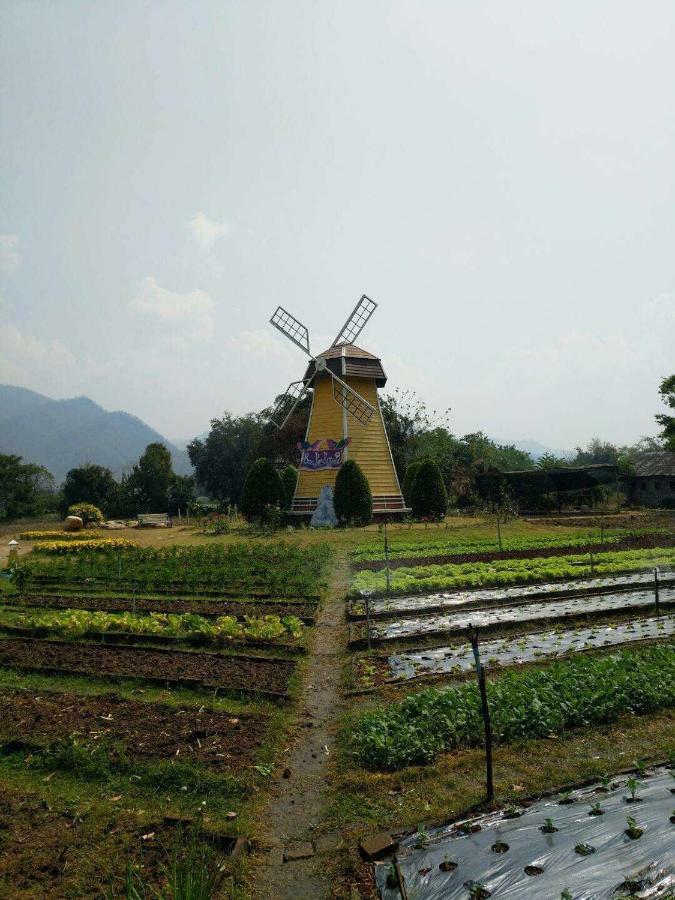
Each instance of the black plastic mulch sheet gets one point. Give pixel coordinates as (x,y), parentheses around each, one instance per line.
(482,596)
(517,650)
(590,856)
(509,615)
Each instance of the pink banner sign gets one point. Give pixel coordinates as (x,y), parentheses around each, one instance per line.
(314,457)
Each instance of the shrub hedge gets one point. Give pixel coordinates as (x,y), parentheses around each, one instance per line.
(409,481)
(352,498)
(263,491)
(429,499)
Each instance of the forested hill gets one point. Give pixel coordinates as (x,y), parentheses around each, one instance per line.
(62,434)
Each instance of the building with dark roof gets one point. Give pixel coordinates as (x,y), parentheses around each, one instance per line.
(653,479)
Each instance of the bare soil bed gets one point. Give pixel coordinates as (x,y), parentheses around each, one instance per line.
(49,582)
(148,730)
(256,675)
(55,853)
(237,608)
(639,542)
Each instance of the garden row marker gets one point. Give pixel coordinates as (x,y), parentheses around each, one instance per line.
(480,674)
(656,587)
(386,559)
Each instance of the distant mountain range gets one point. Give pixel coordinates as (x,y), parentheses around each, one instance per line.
(534,448)
(62,434)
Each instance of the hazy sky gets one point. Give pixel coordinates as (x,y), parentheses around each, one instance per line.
(498,176)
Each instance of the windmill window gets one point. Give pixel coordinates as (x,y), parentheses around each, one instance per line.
(657,485)
(643,486)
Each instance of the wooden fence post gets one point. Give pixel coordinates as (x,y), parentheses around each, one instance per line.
(480,674)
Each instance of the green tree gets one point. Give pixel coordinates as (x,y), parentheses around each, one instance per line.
(222,459)
(429,497)
(181,494)
(281,444)
(667,422)
(25,489)
(406,418)
(148,484)
(289,478)
(263,492)
(352,498)
(409,480)
(89,484)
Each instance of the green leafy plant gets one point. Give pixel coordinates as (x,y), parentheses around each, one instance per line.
(352,498)
(583,691)
(548,827)
(632,784)
(633,831)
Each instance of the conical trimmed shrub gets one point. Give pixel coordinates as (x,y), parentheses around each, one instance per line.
(263,491)
(409,480)
(289,479)
(352,498)
(429,497)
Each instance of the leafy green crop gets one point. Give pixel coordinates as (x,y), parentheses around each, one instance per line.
(418,543)
(76,622)
(504,572)
(276,568)
(579,692)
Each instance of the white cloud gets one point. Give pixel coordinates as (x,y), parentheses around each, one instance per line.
(190,315)
(26,360)
(205,231)
(10,255)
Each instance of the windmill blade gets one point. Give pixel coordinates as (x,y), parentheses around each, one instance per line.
(356,321)
(292,328)
(294,393)
(354,403)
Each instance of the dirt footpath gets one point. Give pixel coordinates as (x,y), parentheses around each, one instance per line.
(298,795)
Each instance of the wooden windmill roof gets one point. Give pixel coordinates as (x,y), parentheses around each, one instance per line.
(358,363)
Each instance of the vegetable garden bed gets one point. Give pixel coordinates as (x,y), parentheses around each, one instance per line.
(144,730)
(262,676)
(551,848)
(399,559)
(580,692)
(303,609)
(527,648)
(524,614)
(225,630)
(424,579)
(393,606)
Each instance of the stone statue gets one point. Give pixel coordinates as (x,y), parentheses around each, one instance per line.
(324,514)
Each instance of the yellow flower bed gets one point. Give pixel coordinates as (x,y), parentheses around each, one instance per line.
(59,535)
(101,545)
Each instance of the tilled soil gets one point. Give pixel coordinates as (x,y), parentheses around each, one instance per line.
(240,673)
(144,730)
(237,608)
(641,542)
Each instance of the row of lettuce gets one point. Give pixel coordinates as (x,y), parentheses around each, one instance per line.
(188,626)
(505,572)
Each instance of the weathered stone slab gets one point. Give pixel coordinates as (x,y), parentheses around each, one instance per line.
(298,851)
(378,846)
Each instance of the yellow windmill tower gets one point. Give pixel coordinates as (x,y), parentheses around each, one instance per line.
(345,421)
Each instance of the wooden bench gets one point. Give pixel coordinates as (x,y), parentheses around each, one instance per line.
(154,520)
